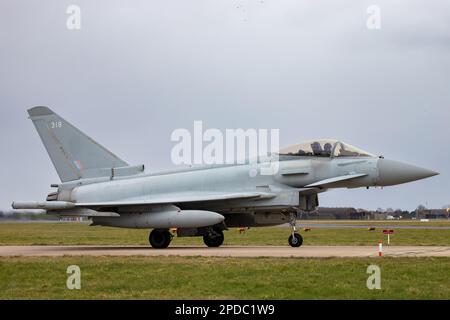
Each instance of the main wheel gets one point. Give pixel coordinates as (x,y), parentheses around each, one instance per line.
(160,238)
(214,238)
(295,240)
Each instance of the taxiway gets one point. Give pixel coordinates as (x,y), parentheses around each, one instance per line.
(228,251)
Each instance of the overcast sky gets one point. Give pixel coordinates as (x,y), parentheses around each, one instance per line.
(137,70)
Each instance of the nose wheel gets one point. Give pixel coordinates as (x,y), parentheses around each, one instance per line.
(295,239)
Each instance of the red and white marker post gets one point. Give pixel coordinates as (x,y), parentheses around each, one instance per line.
(380,248)
(388,232)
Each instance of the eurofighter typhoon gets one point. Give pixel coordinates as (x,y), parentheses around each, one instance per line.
(205,200)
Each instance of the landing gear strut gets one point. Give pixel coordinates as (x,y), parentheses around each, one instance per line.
(295,239)
(160,238)
(213,238)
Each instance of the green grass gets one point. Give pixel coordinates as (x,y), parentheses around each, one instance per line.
(219,278)
(223,278)
(82,234)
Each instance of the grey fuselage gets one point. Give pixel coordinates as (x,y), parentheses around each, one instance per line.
(287,183)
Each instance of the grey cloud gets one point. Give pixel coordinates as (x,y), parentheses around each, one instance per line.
(138,70)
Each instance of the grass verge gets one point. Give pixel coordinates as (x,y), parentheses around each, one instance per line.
(223,278)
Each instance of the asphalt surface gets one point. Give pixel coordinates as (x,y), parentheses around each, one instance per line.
(228,251)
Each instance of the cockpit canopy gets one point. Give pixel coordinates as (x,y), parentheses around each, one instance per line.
(324,148)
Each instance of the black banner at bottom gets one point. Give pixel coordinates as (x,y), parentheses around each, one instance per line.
(223,309)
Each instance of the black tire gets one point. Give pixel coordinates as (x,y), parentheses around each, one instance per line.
(296,240)
(160,239)
(214,238)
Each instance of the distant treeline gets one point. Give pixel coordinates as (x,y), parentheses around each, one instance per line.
(380,214)
(26,215)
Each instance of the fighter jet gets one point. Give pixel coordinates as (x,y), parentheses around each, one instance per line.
(204,200)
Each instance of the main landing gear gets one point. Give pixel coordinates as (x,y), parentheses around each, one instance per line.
(213,238)
(160,238)
(295,239)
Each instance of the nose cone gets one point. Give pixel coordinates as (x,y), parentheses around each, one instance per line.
(392,172)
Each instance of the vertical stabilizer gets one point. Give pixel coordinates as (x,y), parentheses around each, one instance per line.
(72,152)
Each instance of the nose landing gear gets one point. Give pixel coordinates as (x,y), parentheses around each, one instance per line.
(295,239)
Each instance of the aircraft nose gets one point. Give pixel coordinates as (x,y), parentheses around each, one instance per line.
(392,172)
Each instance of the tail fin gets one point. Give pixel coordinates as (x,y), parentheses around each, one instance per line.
(71,151)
